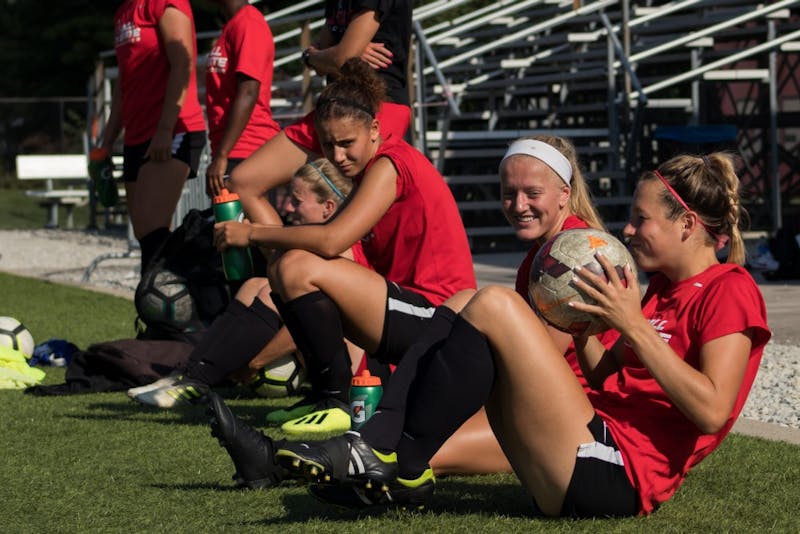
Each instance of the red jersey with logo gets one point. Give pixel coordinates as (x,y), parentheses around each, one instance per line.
(144,70)
(244,47)
(420,242)
(658,443)
(607,338)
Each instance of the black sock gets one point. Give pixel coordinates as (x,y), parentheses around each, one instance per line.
(150,244)
(232,340)
(316,327)
(382,432)
(453,384)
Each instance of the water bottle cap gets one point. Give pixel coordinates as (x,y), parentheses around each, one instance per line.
(366,379)
(225,196)
(98,154)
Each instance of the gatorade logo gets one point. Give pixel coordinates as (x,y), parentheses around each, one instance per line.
(358,412)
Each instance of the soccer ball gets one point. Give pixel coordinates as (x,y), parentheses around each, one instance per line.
(14,334)
(280,378)
(551,287)
(163,298)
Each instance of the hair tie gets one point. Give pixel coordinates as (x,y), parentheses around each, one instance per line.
(720,239)
(706,161)
(327,180)
(547,154)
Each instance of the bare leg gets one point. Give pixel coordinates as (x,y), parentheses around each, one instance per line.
(269,167)
(155,195)
(359,293)
(537,408)
(471,450)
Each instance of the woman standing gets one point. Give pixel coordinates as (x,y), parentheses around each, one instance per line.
(156,103)
(238,90)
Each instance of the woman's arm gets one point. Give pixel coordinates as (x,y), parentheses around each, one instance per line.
(114,123)
(175,29)
(236,117)
(705,395)
(371,200)
(354,43)
(597,362)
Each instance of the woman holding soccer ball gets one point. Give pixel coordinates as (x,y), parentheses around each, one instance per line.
(665,394)
(538,202)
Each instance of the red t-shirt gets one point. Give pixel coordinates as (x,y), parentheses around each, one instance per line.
(246,47)
(144,70)
(420,242)
(658,443)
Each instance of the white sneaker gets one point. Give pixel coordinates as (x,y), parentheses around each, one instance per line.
(181,391)
(170,380)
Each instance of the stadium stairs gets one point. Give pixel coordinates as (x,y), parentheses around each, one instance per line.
(630,82)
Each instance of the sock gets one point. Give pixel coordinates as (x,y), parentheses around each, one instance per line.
(383,432)
(452,385)
(232,340)
(316,327)
(150,244)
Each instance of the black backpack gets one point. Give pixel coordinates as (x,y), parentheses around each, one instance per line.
(187,262)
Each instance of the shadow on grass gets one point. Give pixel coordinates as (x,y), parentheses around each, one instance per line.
(456,496)
(129,410)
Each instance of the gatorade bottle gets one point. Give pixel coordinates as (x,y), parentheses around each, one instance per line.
(365,394)
(236,262)
(101,171)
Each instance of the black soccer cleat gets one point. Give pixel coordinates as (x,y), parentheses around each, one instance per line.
(411,494)
(346,458)
(251,451)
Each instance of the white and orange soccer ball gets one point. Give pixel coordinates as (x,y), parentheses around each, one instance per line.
(551,287)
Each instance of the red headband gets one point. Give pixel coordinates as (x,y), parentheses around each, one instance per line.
(721,240)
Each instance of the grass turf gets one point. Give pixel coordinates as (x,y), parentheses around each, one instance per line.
(101,463)
(21,212)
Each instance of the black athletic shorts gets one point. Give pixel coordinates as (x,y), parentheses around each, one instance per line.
(186,147)
(407,315)
(599,486)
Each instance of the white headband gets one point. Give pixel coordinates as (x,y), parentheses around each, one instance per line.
(549,155)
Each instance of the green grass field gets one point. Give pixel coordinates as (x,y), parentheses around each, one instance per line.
(101,463)
(20,212)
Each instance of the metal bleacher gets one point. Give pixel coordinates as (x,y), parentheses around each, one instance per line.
(605,73)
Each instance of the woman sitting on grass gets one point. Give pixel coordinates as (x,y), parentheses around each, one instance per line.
(665,395)
(249,335)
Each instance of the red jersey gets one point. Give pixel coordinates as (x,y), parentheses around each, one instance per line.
(658,443)
(358,255)
(144,70)
(420,242)
(245,47)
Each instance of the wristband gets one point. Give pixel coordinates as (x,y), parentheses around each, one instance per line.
(306,57)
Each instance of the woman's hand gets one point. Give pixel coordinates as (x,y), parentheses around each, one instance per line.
(232,234)
(160,147)
(377,55)
(618,302)
(215,175)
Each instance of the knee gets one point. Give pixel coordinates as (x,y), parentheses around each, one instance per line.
(293,271)
(250,289)
(491,302)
